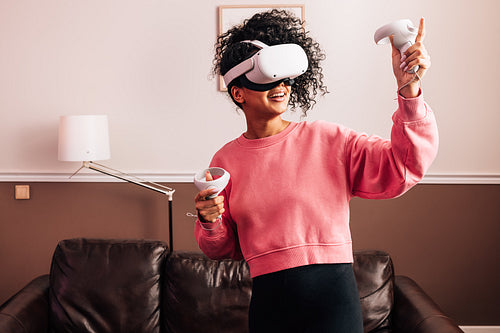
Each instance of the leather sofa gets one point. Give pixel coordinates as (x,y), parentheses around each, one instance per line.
(102,285)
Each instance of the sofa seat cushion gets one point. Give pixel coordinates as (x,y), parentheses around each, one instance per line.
(106,286)
(203,295)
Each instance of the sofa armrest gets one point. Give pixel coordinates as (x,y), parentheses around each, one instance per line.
(415,312)
(28,310)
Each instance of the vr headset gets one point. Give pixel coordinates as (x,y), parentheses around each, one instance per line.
(270,66)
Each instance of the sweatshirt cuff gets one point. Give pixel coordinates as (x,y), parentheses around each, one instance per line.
(411,109)
(211,228)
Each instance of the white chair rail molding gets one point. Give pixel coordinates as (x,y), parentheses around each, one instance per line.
(481,329)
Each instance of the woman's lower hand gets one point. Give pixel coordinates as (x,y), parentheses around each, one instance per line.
(209,209)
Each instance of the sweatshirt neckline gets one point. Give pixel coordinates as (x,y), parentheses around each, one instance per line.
(267,141)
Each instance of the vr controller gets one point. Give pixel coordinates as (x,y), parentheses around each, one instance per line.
(218,183)
(404,34)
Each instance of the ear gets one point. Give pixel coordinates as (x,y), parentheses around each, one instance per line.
(238,94)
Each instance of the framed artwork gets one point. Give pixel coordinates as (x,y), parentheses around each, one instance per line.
(231,15)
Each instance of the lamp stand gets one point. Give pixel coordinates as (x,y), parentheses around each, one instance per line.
(169,192)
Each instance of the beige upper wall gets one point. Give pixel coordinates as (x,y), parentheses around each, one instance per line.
(146,64)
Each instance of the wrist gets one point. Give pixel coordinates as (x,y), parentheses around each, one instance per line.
(411,90)
(212,227)
(201,218)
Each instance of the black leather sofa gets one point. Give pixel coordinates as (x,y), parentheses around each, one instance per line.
(102,285)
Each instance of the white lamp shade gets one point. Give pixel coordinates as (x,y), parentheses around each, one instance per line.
(83,138)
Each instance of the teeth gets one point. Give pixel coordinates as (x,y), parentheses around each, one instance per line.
(281,94)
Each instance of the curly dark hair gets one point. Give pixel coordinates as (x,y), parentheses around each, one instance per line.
(273,27)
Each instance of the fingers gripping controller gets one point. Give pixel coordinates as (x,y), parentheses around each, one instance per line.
(212,179)
(404,34)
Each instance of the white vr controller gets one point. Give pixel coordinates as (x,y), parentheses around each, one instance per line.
(404,34)
(219,183)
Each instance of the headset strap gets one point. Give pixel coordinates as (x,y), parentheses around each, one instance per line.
(244,66)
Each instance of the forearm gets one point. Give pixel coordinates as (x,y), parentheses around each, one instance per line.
(381,169)
(217,240)
(414,138)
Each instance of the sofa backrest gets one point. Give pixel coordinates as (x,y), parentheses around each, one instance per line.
(106,286)
(137,286)
(374,273)
(203,295)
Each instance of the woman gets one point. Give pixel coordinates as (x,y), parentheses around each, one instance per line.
(286,208)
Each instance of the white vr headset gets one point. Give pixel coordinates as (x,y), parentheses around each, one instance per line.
(269,66)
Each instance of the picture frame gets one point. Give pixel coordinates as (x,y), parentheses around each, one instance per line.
(230,15)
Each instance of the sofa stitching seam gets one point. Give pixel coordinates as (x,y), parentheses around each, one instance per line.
(17,320)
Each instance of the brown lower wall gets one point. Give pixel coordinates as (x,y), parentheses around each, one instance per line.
(443,236)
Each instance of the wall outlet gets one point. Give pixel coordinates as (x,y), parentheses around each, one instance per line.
(22,192)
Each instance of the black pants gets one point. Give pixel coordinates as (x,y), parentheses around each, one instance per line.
(314,298)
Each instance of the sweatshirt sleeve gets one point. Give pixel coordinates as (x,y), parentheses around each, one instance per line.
(219,240)
(381,169)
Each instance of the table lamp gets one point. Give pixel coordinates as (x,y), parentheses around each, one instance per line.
(85,138)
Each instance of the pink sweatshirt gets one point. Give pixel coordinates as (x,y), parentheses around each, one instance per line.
(287,203)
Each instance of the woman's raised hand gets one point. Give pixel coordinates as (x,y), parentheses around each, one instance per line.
(416,55)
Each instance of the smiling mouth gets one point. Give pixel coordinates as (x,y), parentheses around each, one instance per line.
(277,95)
